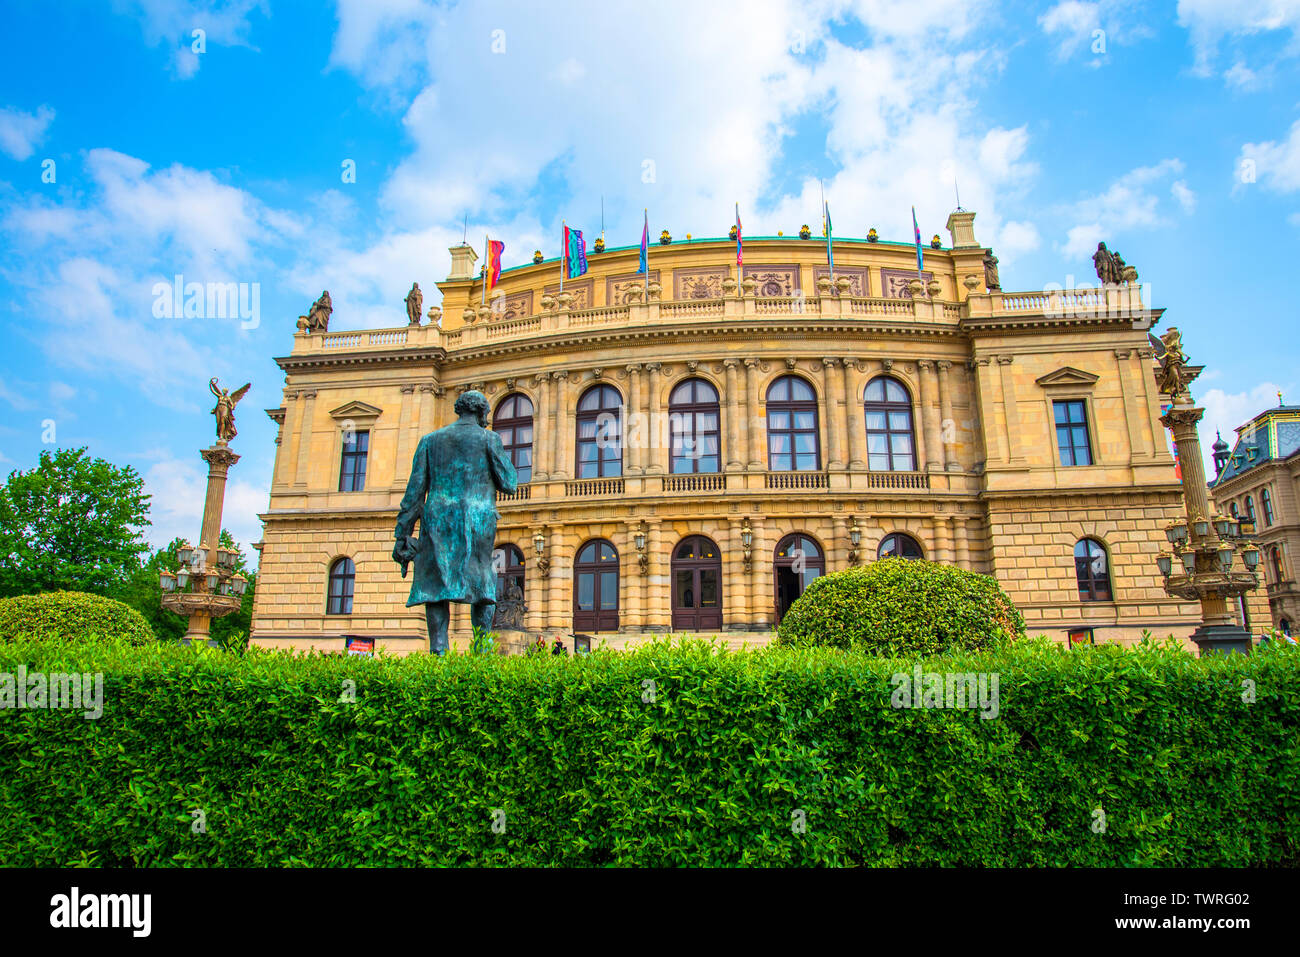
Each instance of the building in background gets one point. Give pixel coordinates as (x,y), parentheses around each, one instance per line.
(696,445)
(1258,481)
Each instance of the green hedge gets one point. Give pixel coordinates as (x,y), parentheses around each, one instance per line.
(71,615)
(899,606)
(591,768)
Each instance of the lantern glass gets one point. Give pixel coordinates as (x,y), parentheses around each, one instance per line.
(539,543)
(1169,534)
(1225,558)
(212,581)
(1235,530)
(1202,527)
(1223,525)
(166,581)
(1165,562)
(747,538)
(855,535)
(1189,561)
(241,583)
(1250,555)
(184,553)
(1180,533)
(183,576)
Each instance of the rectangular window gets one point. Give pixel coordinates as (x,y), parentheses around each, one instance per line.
(1072,432)
(352,474)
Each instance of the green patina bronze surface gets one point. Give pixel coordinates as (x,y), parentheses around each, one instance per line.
(455,475)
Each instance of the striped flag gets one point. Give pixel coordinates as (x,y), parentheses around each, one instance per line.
(491,264)
(644,264)
(740,249)
(575,253)
(920,256)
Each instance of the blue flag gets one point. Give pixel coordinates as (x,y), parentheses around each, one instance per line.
(920,256)
(644,264)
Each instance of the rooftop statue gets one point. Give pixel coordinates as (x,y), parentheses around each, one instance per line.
(1111,268)
(225,409)
(1173,366)
(414,304)
(455,476)
(318,319)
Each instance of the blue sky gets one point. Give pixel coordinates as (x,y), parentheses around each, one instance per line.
(1171,130)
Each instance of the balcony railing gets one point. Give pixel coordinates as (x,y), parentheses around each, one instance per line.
(797,480)
(709,482)
(521,494)
(602,486)
(897,480)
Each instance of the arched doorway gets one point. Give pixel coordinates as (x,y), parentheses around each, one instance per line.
(595,587)
(508,562)
(799,560)
(697,585)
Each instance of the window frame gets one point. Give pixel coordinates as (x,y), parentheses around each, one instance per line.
(352,456)
(1085,406)
(886,406)
(514,423)
(693,409)
(793,407)
(920,556)
(594,416)
(1092,579)
(1266,504)
(348,579)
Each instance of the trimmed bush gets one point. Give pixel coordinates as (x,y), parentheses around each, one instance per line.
(669,755)
(899,606)
(75,615)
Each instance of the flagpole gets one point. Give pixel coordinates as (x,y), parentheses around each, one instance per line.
(645,231)
(487,257)
(564,251)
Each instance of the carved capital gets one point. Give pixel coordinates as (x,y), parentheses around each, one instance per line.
(1123,353)
(829,363)
(541,377)
(751,363)
(633,368)
(925,365)
(560,375)
(407,389)
(730,363)
(982,361)
(944,364)
(219,459)
(653,366)
(1005,360)
(308,393)
(438,391)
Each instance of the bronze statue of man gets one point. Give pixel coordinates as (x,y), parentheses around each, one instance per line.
(414,304)
(455,476)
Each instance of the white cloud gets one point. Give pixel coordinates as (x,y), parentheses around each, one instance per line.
(1277,165)
(1128,203)
(21,133)
(1093,25)
(1183,193)
(176,510)
(173,22)
(1241,77)
(1226,411)
(1211,22)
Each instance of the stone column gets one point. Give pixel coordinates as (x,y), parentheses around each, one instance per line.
(565,423)
(658,598)
(428,420)
(654,382)
(304,438)
(559,606)
(963,542)
(1010,409)
(404,453)
(831,382)
(285,464)
(634,439)
(929,420)
(855,423)
(987,394)
(762,598)
(734,453)
(947,424)
(756,429)
(1131,395)
(734,614)
(943,539)
(219,459)
(543,428)
(1141,361)
(536,588)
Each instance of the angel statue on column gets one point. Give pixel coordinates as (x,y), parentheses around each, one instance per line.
(225,409)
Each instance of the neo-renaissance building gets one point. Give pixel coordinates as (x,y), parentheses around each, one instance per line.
(771,424)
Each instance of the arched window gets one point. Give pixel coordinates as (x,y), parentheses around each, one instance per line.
(343,576)
(508,563)
(798,561)
(1091,570)
(1232,508)
(600,433)
(693,420)
(899,545)
(1250,509)
(792,442)
(891,442)
(697,585)
(595,587)
(1279,574)
(1266,501)
(514,423)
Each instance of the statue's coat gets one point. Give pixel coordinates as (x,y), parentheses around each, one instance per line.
(455,476)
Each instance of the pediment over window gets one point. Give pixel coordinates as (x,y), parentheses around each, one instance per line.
(356,411)
(1068,375)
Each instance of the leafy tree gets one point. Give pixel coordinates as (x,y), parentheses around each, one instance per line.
(73,523)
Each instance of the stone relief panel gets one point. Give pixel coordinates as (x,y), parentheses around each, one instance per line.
(773,281)
(894,282)
(616,287)
(518,306)
(698,283)
(581,290)
(860,287)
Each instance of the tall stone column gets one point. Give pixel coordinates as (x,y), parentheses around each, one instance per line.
(536,588)
(855,423)
(634,439)
(831,382)
(404,453)
(735,455)
(304,438)
(658,599)
(1011,409)
(654,382)
(943,539)
(947,424)
(543,431)
(285,463)
(963,542)
(988,392)
(565,422)
(1141,360)
(929,420)
(756,430)
(219,458)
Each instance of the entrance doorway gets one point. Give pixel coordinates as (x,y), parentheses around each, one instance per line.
(697,585)
(799,560)
(595,588)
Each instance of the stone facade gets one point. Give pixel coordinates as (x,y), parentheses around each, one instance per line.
(981,371)
(1260,477)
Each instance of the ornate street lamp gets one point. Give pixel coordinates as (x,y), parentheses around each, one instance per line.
(642,558)
(204,589)
(1207,554)
(539,549)
(746,541)
(855,539)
